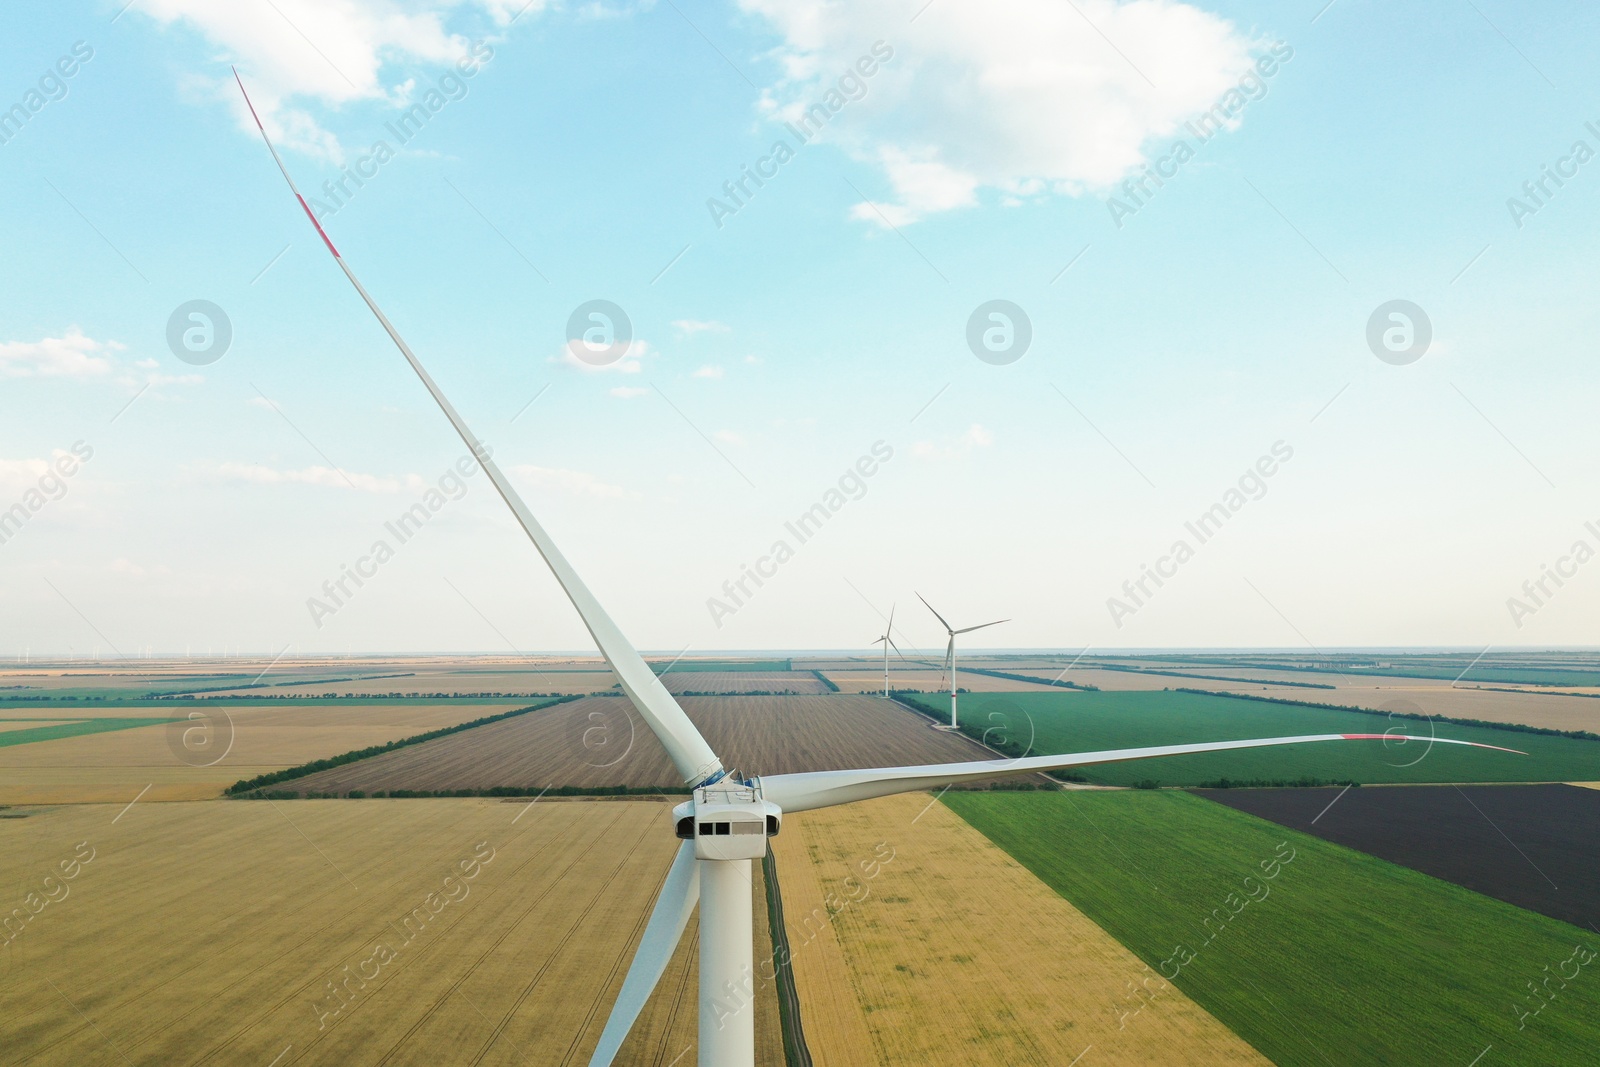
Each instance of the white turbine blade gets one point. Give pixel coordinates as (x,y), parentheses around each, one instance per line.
(936,614)
(679,895)
(980,626)
(949,659)
(897,651)
(824,789)
(689,751)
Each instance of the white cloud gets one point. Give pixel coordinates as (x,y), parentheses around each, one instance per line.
(17,472)
(261,474)
(728,437)
(627,392)
(975,437)
(579,482)
(690,327)
(1024,97)
(70,356)
(708,371)
(630,363)
(328,51)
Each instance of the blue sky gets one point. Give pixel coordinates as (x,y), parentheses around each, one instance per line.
(1227,314)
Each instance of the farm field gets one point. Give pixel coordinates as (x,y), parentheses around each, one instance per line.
(228,956)
(941,949)
(1550,709)
(1312,952)
(799,683)
(1529,845)
(1574,670)
(1070,722)
(599,741)
(115,766)
(434,682)
(926,681)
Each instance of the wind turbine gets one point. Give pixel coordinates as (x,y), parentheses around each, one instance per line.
(888,642)
(950,653)
(730,819)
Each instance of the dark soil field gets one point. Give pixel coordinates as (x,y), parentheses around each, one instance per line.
(1535,846)
(600,741)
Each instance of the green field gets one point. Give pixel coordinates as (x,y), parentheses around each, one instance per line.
(1343,959)
(1074,722)
(71,729)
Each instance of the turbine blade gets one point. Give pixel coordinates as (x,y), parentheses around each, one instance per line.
(679,894)
(930,608)
(897,651)
(824,789)
(980,626)
(689,751)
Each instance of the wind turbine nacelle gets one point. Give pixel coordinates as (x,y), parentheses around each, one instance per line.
(728,820)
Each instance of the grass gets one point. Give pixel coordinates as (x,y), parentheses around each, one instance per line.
(1062,722)
(73,729)
(1345,959)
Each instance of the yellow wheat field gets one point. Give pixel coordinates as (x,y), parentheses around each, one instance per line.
(114,766)
(941,949)
(335,932)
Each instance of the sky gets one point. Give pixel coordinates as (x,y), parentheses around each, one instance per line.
(1295,349)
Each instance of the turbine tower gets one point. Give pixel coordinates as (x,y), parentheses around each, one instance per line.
(950,653)
(888,642)
(729,819)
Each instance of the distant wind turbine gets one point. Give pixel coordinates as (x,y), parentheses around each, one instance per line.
(888,642)
(950,653)
(729,819)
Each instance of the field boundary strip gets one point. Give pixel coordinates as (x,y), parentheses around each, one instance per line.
(795,1051)
(289,774)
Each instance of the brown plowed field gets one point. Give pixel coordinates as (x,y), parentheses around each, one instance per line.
(1529,845)
(600,741)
